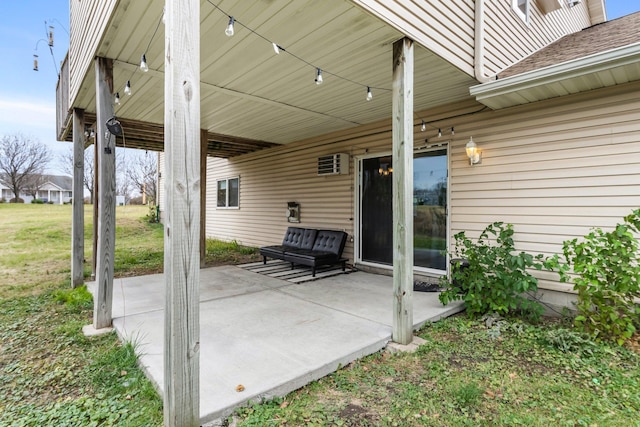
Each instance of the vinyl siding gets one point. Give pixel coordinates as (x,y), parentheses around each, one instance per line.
(88,22)
(554,169)
(444,27)
(509,39)
(447,28)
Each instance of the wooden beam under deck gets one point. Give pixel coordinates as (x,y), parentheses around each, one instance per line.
(150,136)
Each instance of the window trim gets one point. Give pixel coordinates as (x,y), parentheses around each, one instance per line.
(524,15)
(226,201)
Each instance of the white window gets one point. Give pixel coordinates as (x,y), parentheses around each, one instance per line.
(521,7)
(228,191)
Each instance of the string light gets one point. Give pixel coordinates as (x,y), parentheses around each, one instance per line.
(229,31)
(369,94)
(143,63)
(453,132)
(277,49)
(439,133)
(127,88)
(50,36)
(424,126)
(117,100)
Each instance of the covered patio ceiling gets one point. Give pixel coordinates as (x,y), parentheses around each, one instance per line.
(254,97)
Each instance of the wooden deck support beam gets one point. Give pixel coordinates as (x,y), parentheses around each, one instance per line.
(94,201)
(204,146)
(106,157)
(77,221)
(182,210)
(402,135)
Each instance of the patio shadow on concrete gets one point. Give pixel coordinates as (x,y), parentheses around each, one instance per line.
(269,335)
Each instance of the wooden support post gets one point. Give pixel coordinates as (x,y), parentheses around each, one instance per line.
(204,146)
(107,201)
(182,210)
(95,197)
(77,221)
(402,134)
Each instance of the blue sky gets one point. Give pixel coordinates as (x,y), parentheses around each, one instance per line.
(27,98)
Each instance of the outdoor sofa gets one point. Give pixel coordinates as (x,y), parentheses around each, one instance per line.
(309,247)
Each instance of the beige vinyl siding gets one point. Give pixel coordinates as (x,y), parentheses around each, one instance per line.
(88,22)
(271,178)
(554,169)
(509,40)
(444,27)
(447,28)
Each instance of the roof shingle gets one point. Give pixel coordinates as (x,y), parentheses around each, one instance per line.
(598,38)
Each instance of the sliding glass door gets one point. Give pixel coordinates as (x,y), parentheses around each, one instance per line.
(430,179)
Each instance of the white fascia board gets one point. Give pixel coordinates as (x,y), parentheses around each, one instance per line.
(567,70)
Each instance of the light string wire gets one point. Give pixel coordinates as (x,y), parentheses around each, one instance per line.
(324,72)
(147,49)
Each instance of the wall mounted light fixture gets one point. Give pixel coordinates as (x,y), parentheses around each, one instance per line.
(473,153)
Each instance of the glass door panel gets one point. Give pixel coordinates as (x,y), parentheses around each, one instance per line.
(430,209)
(376,211)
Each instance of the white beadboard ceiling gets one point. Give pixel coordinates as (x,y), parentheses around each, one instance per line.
(248,91)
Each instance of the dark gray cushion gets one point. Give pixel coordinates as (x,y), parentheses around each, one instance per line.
(330,241)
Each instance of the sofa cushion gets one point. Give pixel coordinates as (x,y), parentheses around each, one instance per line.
(275,251)
(330,241)
(293,237)
(311,258)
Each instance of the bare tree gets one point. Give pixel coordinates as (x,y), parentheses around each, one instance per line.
(20,158)
(142,173)
(34,183)
(66,164)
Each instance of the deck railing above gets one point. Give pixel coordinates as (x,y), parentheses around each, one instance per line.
(63,114)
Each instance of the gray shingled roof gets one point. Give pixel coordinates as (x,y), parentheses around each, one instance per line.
(596,39)
(62,181)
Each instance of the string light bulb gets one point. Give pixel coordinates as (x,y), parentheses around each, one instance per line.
(230,31)
(453,132)
(424,126)
(35,62)
(127,88)
(319,77)
(276,49)
(143,63)
(439,133)
(164,15)
(117,98)
(369,94)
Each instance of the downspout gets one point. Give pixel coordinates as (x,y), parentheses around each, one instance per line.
(478,63)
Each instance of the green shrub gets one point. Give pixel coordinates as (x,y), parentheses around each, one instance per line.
(607,278)
(496,277)
(152,216)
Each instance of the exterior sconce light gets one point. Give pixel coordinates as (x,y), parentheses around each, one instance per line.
(473,153)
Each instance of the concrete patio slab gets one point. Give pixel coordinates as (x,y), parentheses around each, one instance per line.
(266,334)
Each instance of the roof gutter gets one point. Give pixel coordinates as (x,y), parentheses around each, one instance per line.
(478,51)
(627,55)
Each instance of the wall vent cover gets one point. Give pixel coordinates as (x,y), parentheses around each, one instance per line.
(333,164)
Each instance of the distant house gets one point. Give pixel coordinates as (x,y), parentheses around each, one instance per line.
(57,189)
